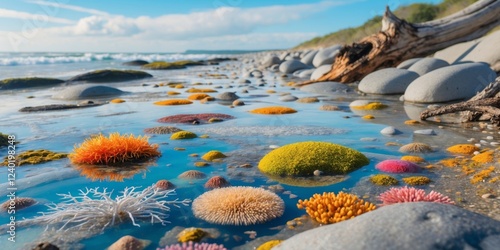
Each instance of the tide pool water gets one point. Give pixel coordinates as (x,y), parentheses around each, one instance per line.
(245,139)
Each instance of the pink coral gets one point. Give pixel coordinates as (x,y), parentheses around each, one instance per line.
(397,166)
(194,246)
(410,194)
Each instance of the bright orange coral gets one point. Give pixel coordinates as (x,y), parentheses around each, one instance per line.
(329,208)
(276,110)
(173,102)
(484,157)
(198,96)
(114,149)
(466,149)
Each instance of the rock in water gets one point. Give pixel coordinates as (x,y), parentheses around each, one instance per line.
(227,96)
(320,71)
(291,66)
(136,63)
(86,91)
(387,81)
(390,131)
(411,225)
(28,82)
(450,83)
(427,65)
(326,88)
(108,75)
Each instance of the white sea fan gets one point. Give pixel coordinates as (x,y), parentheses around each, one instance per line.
(95,210)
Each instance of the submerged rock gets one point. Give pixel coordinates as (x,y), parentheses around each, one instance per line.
(136,63)
(110,75)
(422,225)
(326,88)
(28,82)
(52,107)
(86,91)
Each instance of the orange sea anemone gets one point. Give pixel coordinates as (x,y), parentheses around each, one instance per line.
(114,149)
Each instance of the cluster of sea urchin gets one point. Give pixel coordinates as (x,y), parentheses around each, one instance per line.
(409,194)
(114,149)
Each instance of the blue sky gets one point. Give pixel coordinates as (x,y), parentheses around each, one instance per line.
(174,26)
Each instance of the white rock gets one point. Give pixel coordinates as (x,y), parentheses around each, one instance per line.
(390,131)
(486,51)
(291,66)
(320,71)
(407,63)
(326,55)
(288,98)
(387,81)
(450,83)
(270,60)
(427,65)
(425,132)
(309,57)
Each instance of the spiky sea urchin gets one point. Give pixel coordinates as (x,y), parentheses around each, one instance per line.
(415,147)
(238,206)
(114,149)
(410,194)
(94,210)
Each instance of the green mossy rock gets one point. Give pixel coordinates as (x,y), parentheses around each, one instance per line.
(28,82)
(110,75)
(303,158)
(4,140)
(171,65)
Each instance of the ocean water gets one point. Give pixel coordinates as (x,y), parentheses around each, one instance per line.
(245,139)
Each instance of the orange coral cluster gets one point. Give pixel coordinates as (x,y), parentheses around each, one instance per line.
(485,157)
(276,110)
(330,208)
(173,102)
(483,175)
(114,149)
(466,149)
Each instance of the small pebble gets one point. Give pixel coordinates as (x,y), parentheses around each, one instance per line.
(493,143)
(476,152)
(273,146)
(477,145)
(483,142)
(471,140)
(425,132)
(487,196)
(292,196)
(317,173)
(489,137)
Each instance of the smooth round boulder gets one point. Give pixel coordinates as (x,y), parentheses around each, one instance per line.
(409,225)
(320,71)
(28,82)
(288,98)
(427,65)
(291,66)
(486,51)
(455,82)
(270,60)
(326,88)
(135,63)
(86,91)
(408,63)
(326,55)
(303,158)
(110,75)
(455,53)
(305,73)
(390,130)
(227,96)
(387,81)
(308,58)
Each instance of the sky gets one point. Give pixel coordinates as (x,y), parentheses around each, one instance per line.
(176,26)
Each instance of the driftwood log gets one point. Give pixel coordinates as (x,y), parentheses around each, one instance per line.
(399,40)
(484,106)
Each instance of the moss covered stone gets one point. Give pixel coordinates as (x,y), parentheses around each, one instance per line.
(303,158)
(183,135)
(28,82)
(416,180)
(36,157)
(110,75)
(213,155)
(383,180)
(162,65)
(191,234)
(4,140)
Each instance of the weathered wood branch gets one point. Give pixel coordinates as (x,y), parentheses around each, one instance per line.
(399,40)
(485,105)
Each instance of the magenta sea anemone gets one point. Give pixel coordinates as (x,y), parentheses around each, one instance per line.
(194,246)
(397,166)
(410,194)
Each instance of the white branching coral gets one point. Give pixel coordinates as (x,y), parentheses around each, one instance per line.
(96,210)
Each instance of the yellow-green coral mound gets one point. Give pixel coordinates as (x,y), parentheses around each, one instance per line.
(35,157)
(276,110)
(183,135)
(466,149)
(213,155)
(384,180)
(303,158)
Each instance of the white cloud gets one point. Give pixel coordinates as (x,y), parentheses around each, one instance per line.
(217,22)
(39,18)
(69,7)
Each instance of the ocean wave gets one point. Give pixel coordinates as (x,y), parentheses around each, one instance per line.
(61,58)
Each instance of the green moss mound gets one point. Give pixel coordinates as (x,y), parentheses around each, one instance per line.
(35,157)
(110,75)
(28,82)
(171,65)
(181,135)
(4,140)
(384,180)
(303,158)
